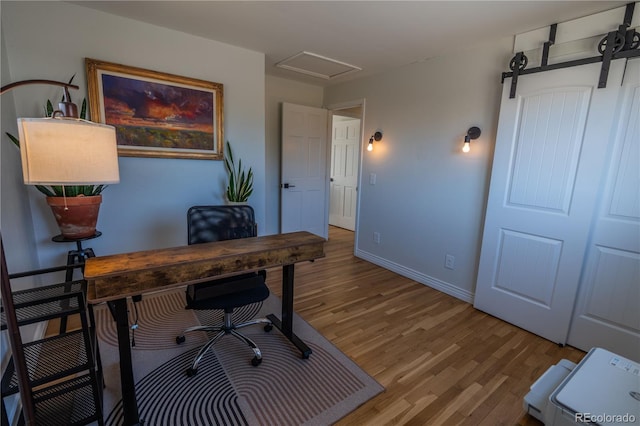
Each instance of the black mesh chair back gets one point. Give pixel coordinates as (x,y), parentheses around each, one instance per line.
(207,224)
(218,223)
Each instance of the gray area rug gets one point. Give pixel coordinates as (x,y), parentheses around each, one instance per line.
(284,390)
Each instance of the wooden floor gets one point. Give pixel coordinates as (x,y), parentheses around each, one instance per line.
(441,361)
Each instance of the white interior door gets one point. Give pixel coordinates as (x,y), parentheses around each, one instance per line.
(345,147)
(304,170)
(607,314)
(552,142)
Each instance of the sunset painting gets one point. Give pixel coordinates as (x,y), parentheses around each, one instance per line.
(157,115)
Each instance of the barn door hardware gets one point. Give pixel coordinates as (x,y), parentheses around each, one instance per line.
(517,65)
(547,45)
(625,39)
(617,41)
(618,44)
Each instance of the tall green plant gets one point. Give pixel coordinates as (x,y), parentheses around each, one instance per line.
(69,190)
(240,183)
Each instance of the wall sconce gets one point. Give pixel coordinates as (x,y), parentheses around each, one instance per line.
(472,133)
(377,136)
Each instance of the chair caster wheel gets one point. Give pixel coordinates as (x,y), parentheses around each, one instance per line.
(191,372)
(180,339)
(268,328)
(256,361)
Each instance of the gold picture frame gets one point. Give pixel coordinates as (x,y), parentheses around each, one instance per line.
(157,114)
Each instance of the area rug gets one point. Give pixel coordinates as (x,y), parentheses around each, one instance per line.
(227,390)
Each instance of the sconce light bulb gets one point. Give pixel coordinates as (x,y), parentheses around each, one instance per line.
(370,146)
(466,147)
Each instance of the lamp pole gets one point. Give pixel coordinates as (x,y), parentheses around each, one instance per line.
(10,86)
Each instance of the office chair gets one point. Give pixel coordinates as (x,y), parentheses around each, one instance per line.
(218,223)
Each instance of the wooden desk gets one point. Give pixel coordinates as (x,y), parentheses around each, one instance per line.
(116,277)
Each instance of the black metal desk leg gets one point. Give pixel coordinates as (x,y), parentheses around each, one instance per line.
(286,325)
(129,401)
(287,300)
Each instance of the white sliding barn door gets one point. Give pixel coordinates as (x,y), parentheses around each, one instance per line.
(608,311)
(345,148)
(551,148)
(304,170)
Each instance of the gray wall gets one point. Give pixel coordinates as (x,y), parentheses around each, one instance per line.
(14,204)
(429,197)
(147,208)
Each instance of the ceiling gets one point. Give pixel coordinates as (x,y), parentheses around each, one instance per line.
(372,35)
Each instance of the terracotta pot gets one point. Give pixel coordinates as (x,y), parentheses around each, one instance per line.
(78,218)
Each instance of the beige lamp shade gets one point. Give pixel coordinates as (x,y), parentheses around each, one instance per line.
(67,151)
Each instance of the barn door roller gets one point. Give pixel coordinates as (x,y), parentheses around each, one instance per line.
(618,44)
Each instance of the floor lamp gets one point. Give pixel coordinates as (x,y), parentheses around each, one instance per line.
(60,150)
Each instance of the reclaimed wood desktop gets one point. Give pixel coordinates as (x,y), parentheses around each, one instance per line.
(116,277)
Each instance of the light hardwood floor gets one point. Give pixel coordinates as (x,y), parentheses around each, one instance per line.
(441,361)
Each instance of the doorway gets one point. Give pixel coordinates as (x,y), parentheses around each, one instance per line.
(306,163)
(344,165)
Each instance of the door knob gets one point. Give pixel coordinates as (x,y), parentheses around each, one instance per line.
(286,185)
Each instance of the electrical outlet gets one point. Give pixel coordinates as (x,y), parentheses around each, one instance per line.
(449,261)
(376,237)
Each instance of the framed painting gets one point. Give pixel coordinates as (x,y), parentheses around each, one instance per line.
(157,114)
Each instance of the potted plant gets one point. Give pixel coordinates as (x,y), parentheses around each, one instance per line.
(240,184)
(75,207)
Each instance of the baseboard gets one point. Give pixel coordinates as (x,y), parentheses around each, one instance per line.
(427,280)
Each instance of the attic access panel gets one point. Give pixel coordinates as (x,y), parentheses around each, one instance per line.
(317,65)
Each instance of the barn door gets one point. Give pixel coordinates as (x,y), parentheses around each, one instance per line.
(551,150)
(607,313)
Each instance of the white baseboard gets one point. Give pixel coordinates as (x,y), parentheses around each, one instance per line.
(427,280)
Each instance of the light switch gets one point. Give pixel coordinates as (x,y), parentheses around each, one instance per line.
(372,179)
